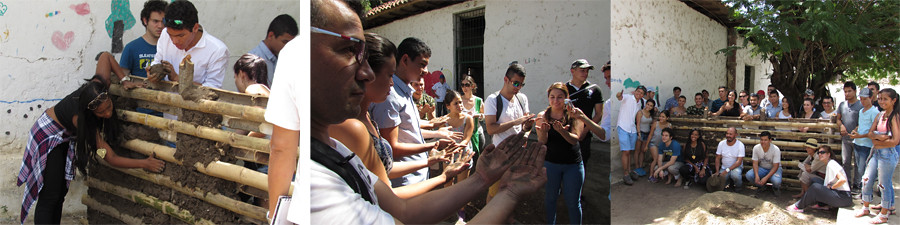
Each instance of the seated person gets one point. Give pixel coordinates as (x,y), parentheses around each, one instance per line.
(766,164)
(730,158)
(669,152)
(696,168)
(811,169)
(834,191)
(698,108)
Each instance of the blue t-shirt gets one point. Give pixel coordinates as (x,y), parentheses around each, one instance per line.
(673,149)
(866,118)
(137,56)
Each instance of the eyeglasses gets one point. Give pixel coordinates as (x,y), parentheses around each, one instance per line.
(518,84)
(360,45)
(821,152)
(466,84)
(94,104)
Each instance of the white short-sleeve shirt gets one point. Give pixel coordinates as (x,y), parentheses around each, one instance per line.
(767,159)
(210,58)
(627,111)
(512,110)
(332,201)
(730,154)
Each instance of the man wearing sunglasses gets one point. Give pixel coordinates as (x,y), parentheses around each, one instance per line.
(506,111)
(184,36)
(340,69)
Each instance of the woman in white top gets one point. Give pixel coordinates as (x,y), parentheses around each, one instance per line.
(785,110)
(834,191)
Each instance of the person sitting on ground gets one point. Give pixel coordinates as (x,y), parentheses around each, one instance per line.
(766,164)
(811,169)
(679,110)
(730,158)
(661,123)
(752,111)
(644,119)
(834,190)
(698,108)
(560,132)
(670,153)
(730,107)
(696,168)
(65,137)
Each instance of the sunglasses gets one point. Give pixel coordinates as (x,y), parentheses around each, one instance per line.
(518,84)
(743,96)
(821,152)
(359,45)
(94,104)
(466,84)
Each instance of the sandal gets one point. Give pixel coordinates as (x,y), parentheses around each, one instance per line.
(862,212)
(878,207)
(879,219)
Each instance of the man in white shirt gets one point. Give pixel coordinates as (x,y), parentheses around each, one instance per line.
(627,129)
(513,115)
(343,72)
(184,36)
(729,159)
(440,89)
(766,164)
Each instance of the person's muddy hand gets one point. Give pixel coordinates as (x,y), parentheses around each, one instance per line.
(558,126)
(494,160)
(458,163)
(128,85)
(448,134)
(154,165)
(170,71)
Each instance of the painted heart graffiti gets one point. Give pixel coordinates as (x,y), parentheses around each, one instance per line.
(62,41)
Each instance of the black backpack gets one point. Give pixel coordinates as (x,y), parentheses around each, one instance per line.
(500,103)
(331,159)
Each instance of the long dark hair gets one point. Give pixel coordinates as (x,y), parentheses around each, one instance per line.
(700,143)
(893,95)
(379,48)
(254,67)
(89,124)
(830,153)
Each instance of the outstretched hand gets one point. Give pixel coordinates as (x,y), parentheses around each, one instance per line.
(528,174)
(154,165)
(458,163)
(494,161)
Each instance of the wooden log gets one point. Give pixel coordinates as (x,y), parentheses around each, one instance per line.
(756,132)
(162,152)
(224,95)
(207,106)
(734,122)
(230,138)
(747,141)
(249,155)
(236,123)
(159,107)
(109,211)
(165,207)
(219,200)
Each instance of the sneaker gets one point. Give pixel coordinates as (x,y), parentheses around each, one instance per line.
(653,179)
(687,185)
(634,175)
(627,180)
(793,208)
(640,172)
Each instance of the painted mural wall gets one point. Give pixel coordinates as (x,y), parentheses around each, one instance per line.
(47,48)
(663,44)
(544,36)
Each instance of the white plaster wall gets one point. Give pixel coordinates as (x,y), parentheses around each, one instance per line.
(762,68)
(545,36)
(35,74)
(663,44)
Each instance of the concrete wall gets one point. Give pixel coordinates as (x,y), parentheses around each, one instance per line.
(44,55)
(545,36)
(663,44)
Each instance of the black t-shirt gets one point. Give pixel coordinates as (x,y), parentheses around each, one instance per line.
(694,154)
(66,109)
(560,151)
(585,97)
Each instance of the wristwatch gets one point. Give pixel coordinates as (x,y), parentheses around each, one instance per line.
(727,170)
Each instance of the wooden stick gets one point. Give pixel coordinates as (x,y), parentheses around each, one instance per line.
(186,76)
(235,173)
(162,152)
(230,138)
(219,200)
(758,123)
(109,210)
(756,132)
(207,106)
(224,95)
(165,207)
(237,123)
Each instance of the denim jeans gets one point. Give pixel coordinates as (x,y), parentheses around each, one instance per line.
(882,165)
(735,176)
(775,179)
(862,153)
(569,178)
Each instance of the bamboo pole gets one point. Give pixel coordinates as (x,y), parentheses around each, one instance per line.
(822,124)
(224,95)
(165,207)
(755,132)
(249,155)
(219,200)
(222,108)
(159,107)
(109,211)
(237,123)
(235,173)
(747,141)
(230,138)
(162,152)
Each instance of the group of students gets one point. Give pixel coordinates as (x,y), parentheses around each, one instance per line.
(66,135)
(865,123)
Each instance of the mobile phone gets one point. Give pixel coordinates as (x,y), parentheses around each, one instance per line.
(569,103)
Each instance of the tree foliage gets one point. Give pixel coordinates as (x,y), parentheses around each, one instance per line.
(813,43)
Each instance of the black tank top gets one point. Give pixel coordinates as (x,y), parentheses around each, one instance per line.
(66,109)
(560,151)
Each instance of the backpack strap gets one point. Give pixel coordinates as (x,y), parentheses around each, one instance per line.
(331,159)
(499,104)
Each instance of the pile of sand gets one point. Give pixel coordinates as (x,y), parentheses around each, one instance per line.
(730,208)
